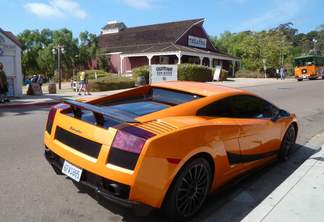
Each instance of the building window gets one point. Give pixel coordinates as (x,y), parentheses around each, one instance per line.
(164,59)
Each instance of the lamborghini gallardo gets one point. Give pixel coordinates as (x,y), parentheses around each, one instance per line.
(166,145)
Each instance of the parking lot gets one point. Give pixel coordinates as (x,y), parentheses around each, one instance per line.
(30,190)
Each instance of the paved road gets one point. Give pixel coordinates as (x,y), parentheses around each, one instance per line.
(30,191)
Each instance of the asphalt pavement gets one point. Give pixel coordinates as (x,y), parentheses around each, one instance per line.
(30,190)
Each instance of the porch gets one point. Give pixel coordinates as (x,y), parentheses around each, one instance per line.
(127,62)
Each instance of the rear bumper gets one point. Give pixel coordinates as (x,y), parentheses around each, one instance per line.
(97,183)
(306,76)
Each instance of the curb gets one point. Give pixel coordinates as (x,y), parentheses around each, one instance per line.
(28,105)
(265,208)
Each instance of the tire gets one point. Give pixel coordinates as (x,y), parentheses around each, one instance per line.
(189,190)
(299,80)
(287,143)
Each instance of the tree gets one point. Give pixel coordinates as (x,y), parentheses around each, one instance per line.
(38,46)
(278,45)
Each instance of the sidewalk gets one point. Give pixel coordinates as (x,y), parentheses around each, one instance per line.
(50,99)
(249,82)
(299,198)
(67,93)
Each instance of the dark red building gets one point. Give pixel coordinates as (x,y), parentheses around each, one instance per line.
(167,43)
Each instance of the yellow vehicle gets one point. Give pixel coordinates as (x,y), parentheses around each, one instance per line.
(309,67)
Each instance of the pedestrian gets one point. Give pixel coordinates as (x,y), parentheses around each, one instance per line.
(282,73)
(277,74)
(81,82)
(3,85)
(34,79)
(84,83)
(40,80)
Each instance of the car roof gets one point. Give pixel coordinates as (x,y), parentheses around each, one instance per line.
(199,88)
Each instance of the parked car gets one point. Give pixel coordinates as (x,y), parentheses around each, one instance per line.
(166,145)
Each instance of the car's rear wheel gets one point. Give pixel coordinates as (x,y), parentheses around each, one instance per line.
(189,190)
(287,143)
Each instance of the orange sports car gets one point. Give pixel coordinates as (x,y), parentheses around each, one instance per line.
(166,145)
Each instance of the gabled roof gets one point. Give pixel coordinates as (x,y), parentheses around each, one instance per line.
(11,36)
(142,36)
(166,47)
(113,25)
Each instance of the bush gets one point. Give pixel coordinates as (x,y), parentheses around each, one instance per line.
(92,72)
(142,71)
(248,74)
(223,75)
(111,83)
(192,72)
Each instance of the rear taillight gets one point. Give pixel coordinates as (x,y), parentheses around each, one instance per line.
(127,146)
(52,113)
(128,142)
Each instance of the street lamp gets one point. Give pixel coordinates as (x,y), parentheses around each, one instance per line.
(264,68)
(58,50)
(314,41)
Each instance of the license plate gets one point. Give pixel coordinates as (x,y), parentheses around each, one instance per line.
(304,76)
(72,171)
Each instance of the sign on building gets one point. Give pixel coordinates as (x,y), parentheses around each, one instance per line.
(197,42)
(217,73)
(161,73)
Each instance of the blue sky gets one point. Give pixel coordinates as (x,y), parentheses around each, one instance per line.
(221,15)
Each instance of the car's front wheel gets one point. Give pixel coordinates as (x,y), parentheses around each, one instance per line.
(189,190)
(287,143)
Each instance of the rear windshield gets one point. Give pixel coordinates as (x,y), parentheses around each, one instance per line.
(139,108)
(171,96)
(155,100)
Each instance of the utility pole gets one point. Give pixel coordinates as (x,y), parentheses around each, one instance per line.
(59,49)
(314,41)
(264,67)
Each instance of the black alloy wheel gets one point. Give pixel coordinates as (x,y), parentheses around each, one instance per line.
(189,190)
(287,144)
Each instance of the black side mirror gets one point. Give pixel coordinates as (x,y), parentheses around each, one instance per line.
(276,116)
(281,113)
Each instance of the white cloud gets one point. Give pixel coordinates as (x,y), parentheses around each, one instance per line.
(281,12)
(56,9)
(139,4)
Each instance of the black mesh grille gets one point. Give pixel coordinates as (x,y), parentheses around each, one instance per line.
(78,143)
(122,158)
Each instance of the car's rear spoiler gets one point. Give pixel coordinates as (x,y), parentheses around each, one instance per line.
(99,112)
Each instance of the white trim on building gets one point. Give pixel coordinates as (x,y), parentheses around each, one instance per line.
(179,54)
(10,57)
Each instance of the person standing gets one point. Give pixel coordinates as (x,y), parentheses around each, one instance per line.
(81,82)
(40,80)
(3,85)
(282,73)
(84,83)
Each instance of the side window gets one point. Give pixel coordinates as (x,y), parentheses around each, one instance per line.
(247,107)
(244,106)
(220,108)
